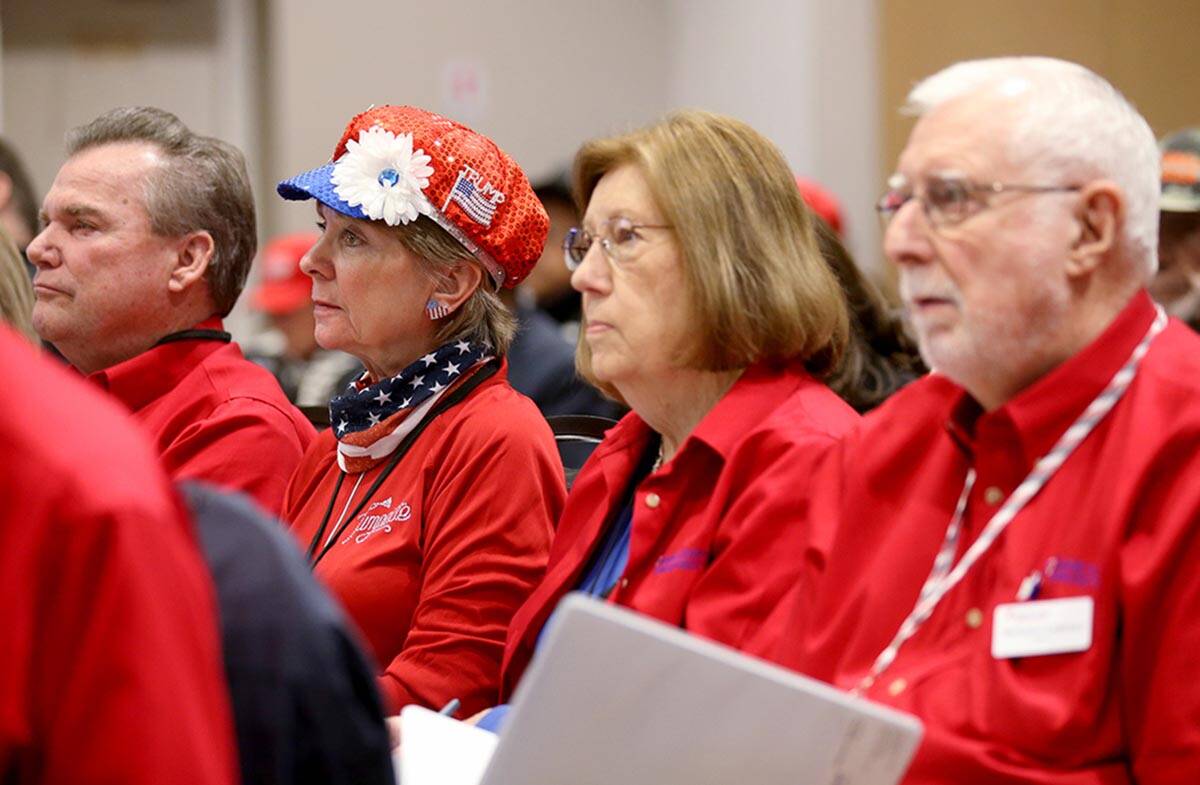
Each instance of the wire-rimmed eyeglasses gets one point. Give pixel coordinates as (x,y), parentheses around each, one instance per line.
(619,238)
(950,199)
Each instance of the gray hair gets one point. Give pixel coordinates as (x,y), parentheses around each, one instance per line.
(202,186)
(1073,122)
(483,318)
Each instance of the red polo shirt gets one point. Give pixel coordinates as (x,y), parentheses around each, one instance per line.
(213,415)
(1119,523)
(705,526)
(438,559)
(110,667)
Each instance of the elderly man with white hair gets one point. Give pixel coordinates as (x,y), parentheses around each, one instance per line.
(1008,548)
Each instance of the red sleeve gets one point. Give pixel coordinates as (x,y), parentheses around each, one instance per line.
(1160,626)
(244,445)
(127,667)
(489,521)
(760,541)
(812,514)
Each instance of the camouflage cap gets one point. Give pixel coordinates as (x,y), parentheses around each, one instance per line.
(1181,172)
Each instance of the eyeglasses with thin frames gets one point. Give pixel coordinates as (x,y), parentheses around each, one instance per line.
(948,199)
(619,238)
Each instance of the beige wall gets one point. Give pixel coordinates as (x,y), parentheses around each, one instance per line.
(801,71)
(552,73)
(1147,48)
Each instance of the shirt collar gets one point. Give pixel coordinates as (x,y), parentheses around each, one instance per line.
(758,391)
(150,375)
(1039,414)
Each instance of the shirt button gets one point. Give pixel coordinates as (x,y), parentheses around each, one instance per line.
(624,583)
(974,618)
(896,687)
(993,495)
(652,500)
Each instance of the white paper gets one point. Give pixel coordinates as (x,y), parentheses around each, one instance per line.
(615,697)
(438,750)
(1031,629)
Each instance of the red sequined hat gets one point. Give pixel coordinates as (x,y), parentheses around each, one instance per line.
(396,163)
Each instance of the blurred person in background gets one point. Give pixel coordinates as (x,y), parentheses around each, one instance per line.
(110,666)
(309,375)
(18,200)
(542,355)
(16,292)
(548,285)
(709,310)
(149,231)
(305,707)
(880,357)
(1177,284)
(429,505)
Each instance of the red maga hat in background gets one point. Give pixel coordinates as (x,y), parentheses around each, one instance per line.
(282,287)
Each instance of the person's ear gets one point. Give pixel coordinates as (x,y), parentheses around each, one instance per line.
(195,252)
(452,287)
(1099,215)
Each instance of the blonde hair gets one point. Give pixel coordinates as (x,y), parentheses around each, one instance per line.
(16,292)
(483,318)
(756,284)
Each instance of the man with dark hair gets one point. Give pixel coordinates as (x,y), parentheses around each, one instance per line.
(18,204)
(148,235)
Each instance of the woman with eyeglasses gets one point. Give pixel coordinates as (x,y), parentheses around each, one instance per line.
(709,311)
(428,507)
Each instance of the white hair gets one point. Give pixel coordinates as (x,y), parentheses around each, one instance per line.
(1074,123)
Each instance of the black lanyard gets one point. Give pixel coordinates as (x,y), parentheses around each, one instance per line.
(452,398)
(195,335)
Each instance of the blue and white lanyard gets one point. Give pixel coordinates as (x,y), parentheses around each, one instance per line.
(944,577)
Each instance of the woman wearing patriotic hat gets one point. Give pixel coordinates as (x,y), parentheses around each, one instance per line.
(428,506)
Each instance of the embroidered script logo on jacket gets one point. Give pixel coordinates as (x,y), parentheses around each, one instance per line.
(378,517)
(682,559)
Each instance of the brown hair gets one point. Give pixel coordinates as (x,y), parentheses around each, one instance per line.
(880,358)
(16,292)
(483,318)
(756,284)
(203,186)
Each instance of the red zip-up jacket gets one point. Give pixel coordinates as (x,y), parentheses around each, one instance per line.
(440,557)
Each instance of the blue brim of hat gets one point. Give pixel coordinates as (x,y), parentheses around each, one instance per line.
(316,184)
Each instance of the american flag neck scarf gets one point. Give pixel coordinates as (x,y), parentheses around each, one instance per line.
(370,421)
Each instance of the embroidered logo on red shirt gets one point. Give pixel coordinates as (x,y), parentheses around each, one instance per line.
(682,559)
(1073,572)
(371,522)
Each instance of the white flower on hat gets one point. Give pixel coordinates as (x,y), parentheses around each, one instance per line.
(381,174)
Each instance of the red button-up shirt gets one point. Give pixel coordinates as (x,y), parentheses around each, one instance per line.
(213,415)
(438,559)
(704,526)
(1119,522)
(110,665)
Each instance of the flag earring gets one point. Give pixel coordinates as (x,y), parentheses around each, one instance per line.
(435,310)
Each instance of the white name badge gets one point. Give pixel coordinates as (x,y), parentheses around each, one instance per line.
(1029,629)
